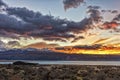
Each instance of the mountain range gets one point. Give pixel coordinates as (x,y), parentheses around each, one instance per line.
(45,54)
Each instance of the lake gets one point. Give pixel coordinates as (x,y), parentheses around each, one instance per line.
(114,63)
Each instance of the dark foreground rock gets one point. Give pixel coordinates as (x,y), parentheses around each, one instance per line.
(23,63)
(59,72)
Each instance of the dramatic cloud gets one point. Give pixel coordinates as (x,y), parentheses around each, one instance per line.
(41,45)
(81,47)
(2,44)
(110,11)
(114,11)
(13,44)
(78,38)
(9,23)
(2,3)
(101,41)
(54,39)
(6,34)
(95,13)
(117,18)
(113,24)
(86,47)
(110,25)
(22,22)
(72,3)
(97,19)
(28,23)
(47,27)
(43,26)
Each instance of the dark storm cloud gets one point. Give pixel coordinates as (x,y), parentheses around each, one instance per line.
(110,11)
(26,14)
(45,26)
(96,17)
(114,23)
(9,23)
(2,3)
(82,47)
(52,35)
(93,7)
(6,34)
(54,39)
(117,18)
(28,23)
(10,27)
(72,3)
(41,26)
(34,24)
(86,47)
(95,13)
(114,11)
(78,38)
(49,26)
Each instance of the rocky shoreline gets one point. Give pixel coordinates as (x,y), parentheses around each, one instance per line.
(59,72)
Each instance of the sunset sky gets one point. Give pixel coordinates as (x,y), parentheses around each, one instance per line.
(46,23)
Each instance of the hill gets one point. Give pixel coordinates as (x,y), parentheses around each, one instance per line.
(34,54)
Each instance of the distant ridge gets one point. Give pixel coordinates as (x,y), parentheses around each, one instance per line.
(35,54)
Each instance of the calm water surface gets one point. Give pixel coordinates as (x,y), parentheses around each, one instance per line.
(115,63)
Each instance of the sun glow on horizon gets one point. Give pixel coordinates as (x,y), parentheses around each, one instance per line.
(103,50)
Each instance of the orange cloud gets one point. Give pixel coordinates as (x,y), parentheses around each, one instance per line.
(110,25)
(41,45)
